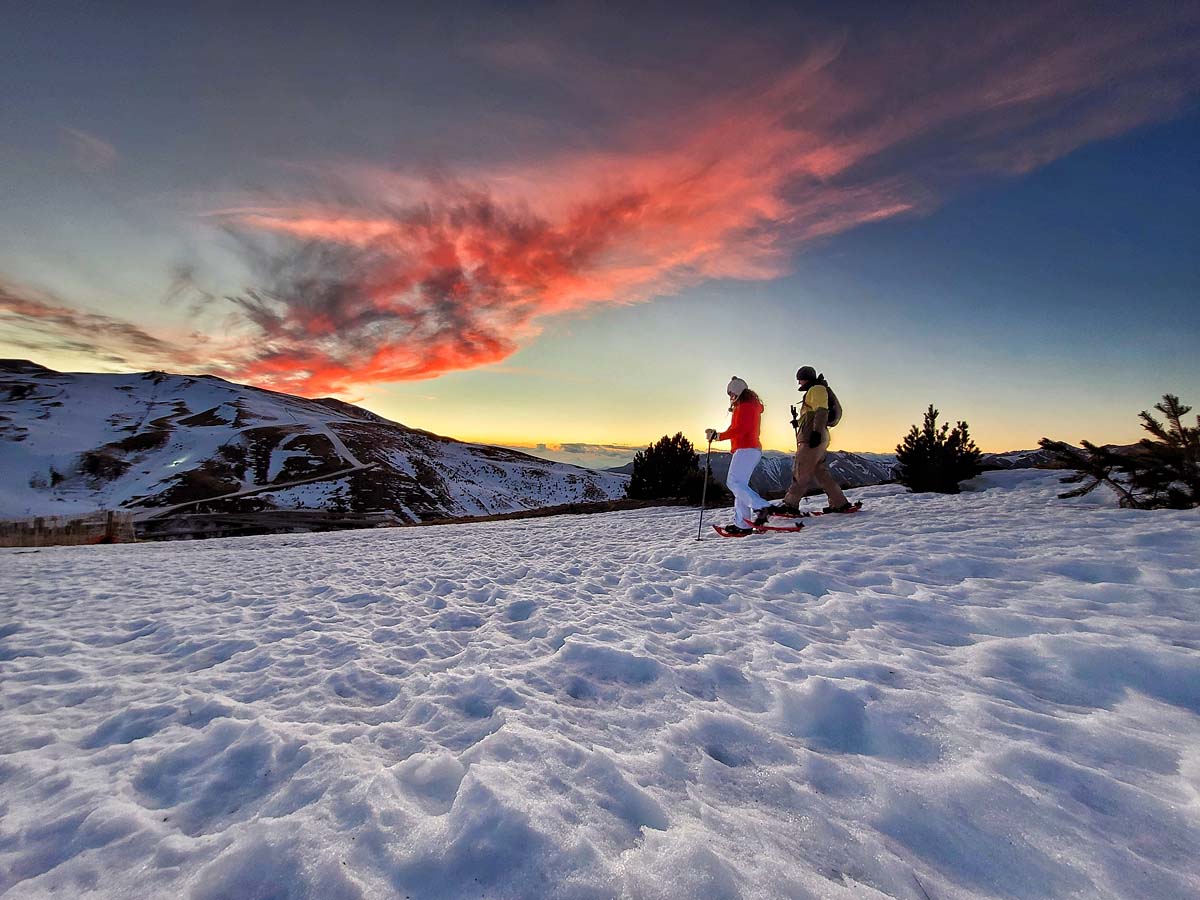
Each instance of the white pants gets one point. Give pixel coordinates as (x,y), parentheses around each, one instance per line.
(745,499)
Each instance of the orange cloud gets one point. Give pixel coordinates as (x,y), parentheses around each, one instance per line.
(451,273)
(44,324)
(406,277)
(457,274)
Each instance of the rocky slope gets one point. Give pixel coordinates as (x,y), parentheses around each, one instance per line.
(160,443)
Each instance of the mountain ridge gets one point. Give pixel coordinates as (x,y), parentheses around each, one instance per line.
(156,443)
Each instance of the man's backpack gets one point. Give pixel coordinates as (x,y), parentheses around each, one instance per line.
(835,408)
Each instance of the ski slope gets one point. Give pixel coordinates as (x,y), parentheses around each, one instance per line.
(995,694)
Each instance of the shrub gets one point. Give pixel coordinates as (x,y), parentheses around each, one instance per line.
(936,459)
(142,442)
(1160,472)
(668,469)
(102,465)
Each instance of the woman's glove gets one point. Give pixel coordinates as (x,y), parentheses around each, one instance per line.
(814,440)
(711,434)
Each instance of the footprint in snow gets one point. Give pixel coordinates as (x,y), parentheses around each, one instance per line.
(520,610)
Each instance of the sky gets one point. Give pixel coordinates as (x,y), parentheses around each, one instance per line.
(565,226)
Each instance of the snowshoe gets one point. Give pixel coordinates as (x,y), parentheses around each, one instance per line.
(781,510)
(791,526)
(732,530)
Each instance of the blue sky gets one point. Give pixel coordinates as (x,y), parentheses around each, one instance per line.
(571,224)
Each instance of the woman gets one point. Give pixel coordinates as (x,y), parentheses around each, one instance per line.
(742,434)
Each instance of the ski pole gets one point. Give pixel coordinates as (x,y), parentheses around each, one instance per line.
(704,491)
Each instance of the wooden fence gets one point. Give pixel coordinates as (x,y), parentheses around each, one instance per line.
(104,527)
(188,526)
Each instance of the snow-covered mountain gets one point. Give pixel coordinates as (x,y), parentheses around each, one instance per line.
(1018,459)
(774,472)
(157,442)
(993,695)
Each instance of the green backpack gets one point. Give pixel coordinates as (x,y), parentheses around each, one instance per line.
(835,408)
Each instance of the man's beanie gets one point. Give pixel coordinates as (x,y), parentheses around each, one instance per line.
(806,373)
(736,386)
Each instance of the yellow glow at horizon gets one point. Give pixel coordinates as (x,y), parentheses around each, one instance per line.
(554,405)
(1004,430)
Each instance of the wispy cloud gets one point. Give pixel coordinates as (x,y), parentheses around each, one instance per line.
(422,276)
(45,324)
(88,152)
(617,451)
(582,454)
(377,275)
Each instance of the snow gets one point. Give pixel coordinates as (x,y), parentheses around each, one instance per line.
(995,694)
(94,410)
(54,422)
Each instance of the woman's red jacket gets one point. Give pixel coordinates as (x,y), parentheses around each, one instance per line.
(743,430)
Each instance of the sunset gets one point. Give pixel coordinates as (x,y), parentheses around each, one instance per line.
(600,450)
(548,228)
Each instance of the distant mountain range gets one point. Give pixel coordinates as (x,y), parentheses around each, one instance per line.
(157,443)
(774,473)
(1019,459)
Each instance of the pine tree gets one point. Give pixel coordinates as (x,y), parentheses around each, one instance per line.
(936,459)
(668,469)
(1158,472)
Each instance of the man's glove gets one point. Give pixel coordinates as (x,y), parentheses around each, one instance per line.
(795,418)
(711,434)
(814,440)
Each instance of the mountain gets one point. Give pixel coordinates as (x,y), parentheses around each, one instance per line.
(1018,459)
(159,443)
(861,469)
(774,473)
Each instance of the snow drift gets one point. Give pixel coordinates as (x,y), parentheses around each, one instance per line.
(995,694)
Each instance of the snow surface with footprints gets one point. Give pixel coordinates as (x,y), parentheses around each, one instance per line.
(995,694)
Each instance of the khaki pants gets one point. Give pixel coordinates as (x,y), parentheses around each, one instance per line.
(809,464)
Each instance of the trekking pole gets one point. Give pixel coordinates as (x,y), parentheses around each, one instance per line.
(704,491)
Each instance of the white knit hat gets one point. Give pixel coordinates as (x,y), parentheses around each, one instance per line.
(736,386)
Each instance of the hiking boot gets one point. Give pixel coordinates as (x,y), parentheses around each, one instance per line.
(736,529)
(761,517)
(781,509)
(844,508)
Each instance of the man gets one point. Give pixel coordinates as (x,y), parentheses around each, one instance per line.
(812,440)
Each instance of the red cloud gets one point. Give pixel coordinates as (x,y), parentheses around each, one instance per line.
(459,274)
(411,278)
(454,273)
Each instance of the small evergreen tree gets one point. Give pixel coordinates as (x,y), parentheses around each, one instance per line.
(669,469)
(1158,472)
(936,459)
